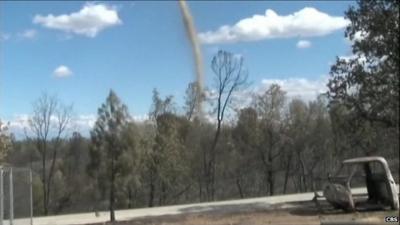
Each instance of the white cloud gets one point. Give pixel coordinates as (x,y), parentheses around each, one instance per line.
(361,58)
(358,36)
(19,122)
(83,123)
(140,118)
(303,88)
(62,71)
(307,22)
(303,44)
(89,21)
(19,125)
(300,88)
(369,64)
(4,36)
(347,58)
(28,34)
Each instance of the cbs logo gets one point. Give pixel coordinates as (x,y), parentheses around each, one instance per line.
(391,219)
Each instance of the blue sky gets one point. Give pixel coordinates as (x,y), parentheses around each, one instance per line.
(79,50)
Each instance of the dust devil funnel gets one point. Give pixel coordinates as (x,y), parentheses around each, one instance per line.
(192,35)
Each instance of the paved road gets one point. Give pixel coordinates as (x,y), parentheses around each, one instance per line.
(87,218)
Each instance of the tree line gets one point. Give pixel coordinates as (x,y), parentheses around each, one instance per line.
(273,145)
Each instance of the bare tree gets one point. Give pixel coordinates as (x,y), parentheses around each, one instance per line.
(48,124)
(230,77)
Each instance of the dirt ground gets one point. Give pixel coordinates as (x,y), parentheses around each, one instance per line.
(302,213)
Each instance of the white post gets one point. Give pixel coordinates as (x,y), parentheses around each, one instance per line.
(31,194)
(1,197)
(11,198)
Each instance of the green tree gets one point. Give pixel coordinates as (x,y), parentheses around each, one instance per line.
(74,163)
(5,142)
(270,107)
(364,89)
(161,106)
(158,108)
(246,136)
(110,149)
(368,83)
(170,155)
(309,142)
